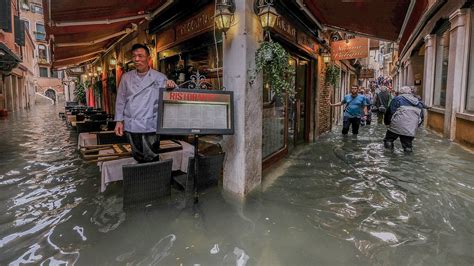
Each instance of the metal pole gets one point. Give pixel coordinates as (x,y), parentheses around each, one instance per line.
(196,164)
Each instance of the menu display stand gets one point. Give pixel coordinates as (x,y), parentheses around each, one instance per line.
(195,112)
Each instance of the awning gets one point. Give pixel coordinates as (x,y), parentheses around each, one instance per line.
(8,59)
(81,30)
(373,18)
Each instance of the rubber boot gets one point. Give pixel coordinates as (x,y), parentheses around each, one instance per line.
(408,150)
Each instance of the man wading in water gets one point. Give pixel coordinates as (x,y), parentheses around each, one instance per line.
(356,107)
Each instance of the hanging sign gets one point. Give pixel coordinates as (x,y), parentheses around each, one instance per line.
(367,73)
(350,49)
(195,112)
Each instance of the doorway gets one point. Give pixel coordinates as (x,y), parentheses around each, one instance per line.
(297,107)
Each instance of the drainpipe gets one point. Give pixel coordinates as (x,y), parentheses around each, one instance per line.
(303,7)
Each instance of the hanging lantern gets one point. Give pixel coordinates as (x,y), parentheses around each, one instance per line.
(99,69)
(268,16)
(113,61)
(224,16)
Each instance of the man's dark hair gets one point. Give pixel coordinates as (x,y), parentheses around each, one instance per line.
(140,46)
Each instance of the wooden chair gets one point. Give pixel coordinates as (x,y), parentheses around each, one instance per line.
(145,183)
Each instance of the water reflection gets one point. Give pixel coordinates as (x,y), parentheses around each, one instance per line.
(341,201)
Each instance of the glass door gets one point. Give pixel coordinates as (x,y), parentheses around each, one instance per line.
(297,104)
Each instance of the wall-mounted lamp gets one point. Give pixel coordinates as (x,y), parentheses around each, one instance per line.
(267,14)
(224,14)
(326,55)
(90,74)
(99,69)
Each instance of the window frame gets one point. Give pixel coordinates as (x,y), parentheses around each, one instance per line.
(47,72)
(438,73)
(470,68)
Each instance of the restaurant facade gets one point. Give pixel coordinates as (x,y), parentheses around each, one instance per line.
(186,41)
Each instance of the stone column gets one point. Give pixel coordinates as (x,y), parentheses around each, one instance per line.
(9,93)
(243,165)
(429,69)
(409,77)
(457,70)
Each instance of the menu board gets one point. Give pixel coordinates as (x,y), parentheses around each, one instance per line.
(199,112)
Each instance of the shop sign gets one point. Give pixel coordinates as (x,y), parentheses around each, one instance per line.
(203,21)
(285,28)
(164,39)
(305,41)
(350,49)
(367,73)
(198,112)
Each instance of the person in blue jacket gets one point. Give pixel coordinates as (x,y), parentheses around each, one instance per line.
(403,117)
(136,107)
(355,109)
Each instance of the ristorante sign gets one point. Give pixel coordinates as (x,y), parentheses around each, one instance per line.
(350,49)
(199,112)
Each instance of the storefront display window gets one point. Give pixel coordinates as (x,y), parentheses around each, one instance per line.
(274,116)
(441,74)
(181,62)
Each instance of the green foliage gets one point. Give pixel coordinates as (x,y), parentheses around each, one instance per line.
(332,75)
(80,91)
(272,58)
(98,87)
(111,84)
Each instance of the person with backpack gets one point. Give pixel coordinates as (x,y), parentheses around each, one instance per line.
(356,108)
(382,101)
(403,117)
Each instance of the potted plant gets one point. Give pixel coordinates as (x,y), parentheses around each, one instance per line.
(332,75)
(80,91)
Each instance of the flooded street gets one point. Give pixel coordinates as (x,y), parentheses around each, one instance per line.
(339,201)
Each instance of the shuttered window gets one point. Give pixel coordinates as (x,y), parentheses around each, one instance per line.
(6,15)
(19,31)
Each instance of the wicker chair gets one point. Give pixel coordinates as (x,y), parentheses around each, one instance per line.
(209,171)
(110,138)
(146,182)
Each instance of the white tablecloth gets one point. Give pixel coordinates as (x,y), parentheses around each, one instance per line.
(112,170)
(86,139)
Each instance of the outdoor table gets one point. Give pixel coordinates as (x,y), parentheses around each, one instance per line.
(112,170)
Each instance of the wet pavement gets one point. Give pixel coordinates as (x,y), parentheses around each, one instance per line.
(339,201)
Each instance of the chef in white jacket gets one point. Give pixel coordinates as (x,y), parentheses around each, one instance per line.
(136,107)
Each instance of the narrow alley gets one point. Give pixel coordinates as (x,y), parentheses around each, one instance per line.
(336,201)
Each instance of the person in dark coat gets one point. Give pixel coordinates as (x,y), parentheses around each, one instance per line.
(382,100)
(403,117)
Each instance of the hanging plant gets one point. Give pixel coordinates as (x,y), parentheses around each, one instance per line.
(272,59)
(80,91)
(332,75)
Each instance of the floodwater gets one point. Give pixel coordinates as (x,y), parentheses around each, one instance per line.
(340,201)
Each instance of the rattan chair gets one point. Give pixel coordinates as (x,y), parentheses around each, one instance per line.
(145,183)
(209,171)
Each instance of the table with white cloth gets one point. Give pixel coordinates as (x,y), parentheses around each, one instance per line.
(112,170)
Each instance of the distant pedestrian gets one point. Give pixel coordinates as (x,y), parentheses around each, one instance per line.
(370,101)
(382,101)
(356,108)
(403,117)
